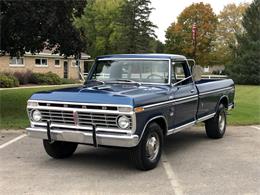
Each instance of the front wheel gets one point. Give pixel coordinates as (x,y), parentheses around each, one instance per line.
(216,127)
(148,152)
(59,149)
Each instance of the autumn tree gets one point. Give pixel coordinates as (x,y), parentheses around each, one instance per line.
(246,67)
(31,26)
(179,34)
(229,25)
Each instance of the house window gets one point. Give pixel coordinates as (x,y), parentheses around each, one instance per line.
(41,62)
(57,62)
(14,61)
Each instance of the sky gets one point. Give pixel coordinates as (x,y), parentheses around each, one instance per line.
(166,11)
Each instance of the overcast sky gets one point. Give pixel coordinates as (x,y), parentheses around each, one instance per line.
(166,11)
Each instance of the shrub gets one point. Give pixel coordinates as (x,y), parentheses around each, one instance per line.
(8,80)
(45,79)
(23,77)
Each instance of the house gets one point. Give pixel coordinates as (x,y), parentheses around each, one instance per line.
(44,62)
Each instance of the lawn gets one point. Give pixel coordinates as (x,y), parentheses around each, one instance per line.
(247,106)
(13,107)
(13,102)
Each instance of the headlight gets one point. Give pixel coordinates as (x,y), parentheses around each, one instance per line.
(36,115)
(123,122)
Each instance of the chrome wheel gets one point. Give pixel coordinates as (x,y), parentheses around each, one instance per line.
(152,146)
(221,121)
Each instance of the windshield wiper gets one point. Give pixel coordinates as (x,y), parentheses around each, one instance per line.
(123,80)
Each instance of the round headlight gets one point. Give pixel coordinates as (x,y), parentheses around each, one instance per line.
(123,122)
(36,115)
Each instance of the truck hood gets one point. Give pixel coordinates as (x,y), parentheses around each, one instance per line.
(123,94)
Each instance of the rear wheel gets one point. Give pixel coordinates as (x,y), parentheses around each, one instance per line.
(59,149)
(216,127)
(148,152)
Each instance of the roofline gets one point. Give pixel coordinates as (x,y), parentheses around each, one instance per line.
(142,56)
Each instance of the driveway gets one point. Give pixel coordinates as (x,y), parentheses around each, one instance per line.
(191,164)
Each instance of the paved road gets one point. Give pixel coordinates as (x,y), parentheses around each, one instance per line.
(191,164)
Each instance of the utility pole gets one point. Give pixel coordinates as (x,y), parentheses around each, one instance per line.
(194,39)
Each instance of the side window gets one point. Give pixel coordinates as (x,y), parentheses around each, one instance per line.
(180,71)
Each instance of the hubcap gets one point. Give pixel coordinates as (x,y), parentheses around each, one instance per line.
(221,121)
(152,146)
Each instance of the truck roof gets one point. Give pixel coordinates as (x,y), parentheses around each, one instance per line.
(150,55)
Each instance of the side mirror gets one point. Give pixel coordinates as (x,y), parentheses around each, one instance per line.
(196,72)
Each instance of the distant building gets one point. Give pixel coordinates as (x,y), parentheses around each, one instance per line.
(44,62)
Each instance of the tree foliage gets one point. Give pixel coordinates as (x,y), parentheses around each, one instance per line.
(117,26)
(136,30)
(229,24)
(31,26)
(179,34)
(246,67)
(99,26)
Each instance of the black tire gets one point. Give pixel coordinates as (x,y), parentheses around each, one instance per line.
(59,149)
(216,127)
(153,137)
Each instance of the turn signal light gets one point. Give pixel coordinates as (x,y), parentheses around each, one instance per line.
(139,109)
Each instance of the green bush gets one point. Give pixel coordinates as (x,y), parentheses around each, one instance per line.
(45,79)
(8,80)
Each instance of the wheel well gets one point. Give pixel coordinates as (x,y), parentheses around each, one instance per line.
(224,101)
(162,123)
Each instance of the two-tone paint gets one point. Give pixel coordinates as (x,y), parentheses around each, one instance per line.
(174,107)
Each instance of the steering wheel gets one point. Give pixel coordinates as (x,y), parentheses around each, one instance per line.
(156,75)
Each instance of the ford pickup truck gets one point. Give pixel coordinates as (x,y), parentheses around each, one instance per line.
(132,101)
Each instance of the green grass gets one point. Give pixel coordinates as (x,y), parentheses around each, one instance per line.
(247,106)
(13,106)
(13,103)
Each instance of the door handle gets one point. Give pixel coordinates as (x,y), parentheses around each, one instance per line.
(192,91)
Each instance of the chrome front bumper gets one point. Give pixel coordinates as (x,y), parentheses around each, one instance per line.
(85,137)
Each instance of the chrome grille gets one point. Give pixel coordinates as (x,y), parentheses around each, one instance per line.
(58,116)
(80,118)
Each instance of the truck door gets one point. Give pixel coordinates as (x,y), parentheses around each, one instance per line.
(184,93)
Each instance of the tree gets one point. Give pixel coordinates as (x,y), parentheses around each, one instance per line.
(31,26)
(246,67)
(98,24)
(229,24)
(135,28)
(179,34)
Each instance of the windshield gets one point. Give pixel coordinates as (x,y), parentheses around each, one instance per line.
(142,71)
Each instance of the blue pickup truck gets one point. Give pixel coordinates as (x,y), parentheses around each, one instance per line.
(132,101)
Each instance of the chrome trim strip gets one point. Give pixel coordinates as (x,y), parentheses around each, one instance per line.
(85,137)
(83,104)
(215,91)
(155,59)
(80,110)
(156,117)
(177,129)
(171,101)
(205,117)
